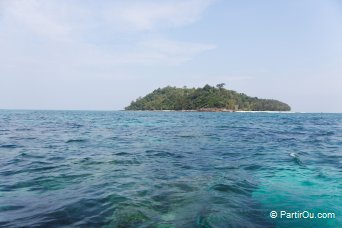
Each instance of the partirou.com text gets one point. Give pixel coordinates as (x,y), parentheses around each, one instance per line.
(302,215)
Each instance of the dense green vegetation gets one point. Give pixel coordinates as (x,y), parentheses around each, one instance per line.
(208,97)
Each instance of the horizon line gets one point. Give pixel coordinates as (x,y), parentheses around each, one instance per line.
(117,110)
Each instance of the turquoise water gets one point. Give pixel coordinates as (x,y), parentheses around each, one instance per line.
(168,169)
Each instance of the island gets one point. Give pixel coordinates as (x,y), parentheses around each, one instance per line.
(209,98)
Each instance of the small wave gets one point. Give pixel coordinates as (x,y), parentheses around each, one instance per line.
(187,136)
(10,146)
(125,162)
(88,161)
(157,153)
(292,155)
(184,166)
(224,127)
(113,138)
(30,155)
(41,169)
(22,138)
(76,141)
(168,154)
(74,125)
(296,159)
(23,129)
(225,167)
(122,153)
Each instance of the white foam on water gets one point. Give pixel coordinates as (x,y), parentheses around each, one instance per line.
(294,155)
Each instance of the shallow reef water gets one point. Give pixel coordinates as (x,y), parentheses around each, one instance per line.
(168,169)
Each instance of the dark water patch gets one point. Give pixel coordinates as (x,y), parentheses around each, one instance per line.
(244,187)
(260,153)
(129,217)
(47,183)
(233,154)
(183,166)
(227,188)
(11,207)
(252,167)
(232,218)
(68,216)
(183,186)
(308,183)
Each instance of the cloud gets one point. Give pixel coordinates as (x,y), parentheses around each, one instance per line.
(38,32)
(176,52)
(60,19)
(149,52)
(162,52)
(38,17)
(149,15)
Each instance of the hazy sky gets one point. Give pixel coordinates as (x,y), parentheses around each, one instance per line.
(100,55)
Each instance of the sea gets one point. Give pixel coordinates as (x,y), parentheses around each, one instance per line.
(170,169)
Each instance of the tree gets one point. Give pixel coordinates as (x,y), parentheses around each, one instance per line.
(220,85)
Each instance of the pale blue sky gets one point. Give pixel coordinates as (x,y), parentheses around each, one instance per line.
(100,55)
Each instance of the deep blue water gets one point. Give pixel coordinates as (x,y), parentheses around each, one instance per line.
(168,169)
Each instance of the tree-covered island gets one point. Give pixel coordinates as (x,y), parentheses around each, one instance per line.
(208,98)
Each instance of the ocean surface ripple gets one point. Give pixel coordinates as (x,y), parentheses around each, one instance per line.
(168,169)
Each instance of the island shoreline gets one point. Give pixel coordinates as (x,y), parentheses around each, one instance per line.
(229,111)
